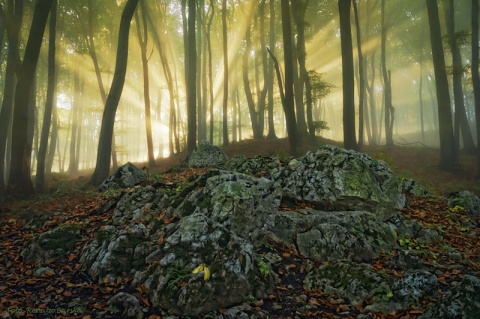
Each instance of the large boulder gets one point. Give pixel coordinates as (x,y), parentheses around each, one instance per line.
(216,225)
(206,154)
(219,226)
(333,178)
(320,235)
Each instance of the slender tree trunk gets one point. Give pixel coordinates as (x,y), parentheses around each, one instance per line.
(349,138)
(475,76)
(102,167)
(271,124)
(75,135)
(288,101)
(47,115)
(447,147)
(225,72)
(361,72)
(143,41)
(387,86)
(210,69)
(191,66)
(19,182)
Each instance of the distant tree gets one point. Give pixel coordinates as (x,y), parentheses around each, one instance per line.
(51,89)
(102,167)
(475,76)
(361,71)
(349,136)
(19,181)
(225,72)
(447,146)
(15,14)
(271,42)
(387,84)
(143,41)
(288,101)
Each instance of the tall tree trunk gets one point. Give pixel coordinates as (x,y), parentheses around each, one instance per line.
(47,115)
(387,86)
(210,68)
(191,67)
(143,41)
(460,114)
(349,136)
(19,182)
(246,83)
(361,73)
(225,73)
(93,55)
(75,135)
(102,167)
(475,76)
(288,101)
(16,12)
(447,147)
(299,8)
(271,124)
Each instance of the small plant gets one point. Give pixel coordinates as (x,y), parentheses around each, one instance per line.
(320,125)
(263,267)
(382,293)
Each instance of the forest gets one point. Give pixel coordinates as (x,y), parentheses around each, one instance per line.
(89,85)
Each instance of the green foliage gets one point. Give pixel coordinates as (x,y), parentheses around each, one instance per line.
(175,277)
(263,268)
(382,293)
(320,88)
(320,125)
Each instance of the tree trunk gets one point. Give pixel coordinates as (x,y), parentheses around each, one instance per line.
(387,86)
(361,73)
(19,182)
(102,167)
(75,135)
(349,136)
(288,101)
(47,115)
(271,124)
(476,77)
(225,73)
(143,40)
(9,89)
(191,67)
(447,147)
(460,114)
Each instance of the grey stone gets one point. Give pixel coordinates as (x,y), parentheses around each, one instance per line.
(124,305)
(411,187)
(463,301)
(206,154)
(320,235)
(53,243)
(467,200)
(414,285)
(125,176)
(333,178)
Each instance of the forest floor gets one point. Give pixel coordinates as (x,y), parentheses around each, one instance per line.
(70,202)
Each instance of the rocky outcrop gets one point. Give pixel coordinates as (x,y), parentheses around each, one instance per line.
(333,178)
(200,246)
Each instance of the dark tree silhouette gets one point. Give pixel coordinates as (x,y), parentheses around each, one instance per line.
(349,138)
(102,167)
(476,77)
(19,181)
(447,146)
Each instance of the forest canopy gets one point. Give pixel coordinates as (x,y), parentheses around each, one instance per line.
(224,71)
